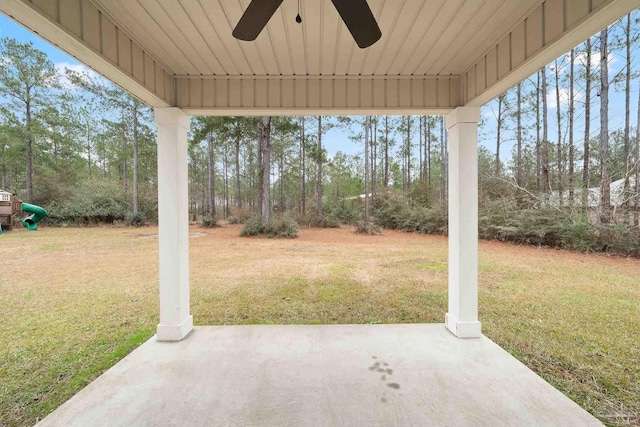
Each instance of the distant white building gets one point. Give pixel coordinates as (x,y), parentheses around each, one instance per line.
(593,199)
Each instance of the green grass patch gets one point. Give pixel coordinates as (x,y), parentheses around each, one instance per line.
(68,315)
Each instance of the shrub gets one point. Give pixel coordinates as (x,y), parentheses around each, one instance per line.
(503,220)
(252,227)
(284,227)
(348,211)
(314,221)
(370,228)
(136,219)
(210,222)
(281,227)
(93,203)
(392,212)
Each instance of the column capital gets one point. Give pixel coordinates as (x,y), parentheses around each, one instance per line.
(171,116)
(463,115)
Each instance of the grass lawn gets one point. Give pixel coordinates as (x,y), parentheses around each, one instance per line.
(75,301)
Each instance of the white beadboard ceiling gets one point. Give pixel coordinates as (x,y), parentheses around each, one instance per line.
(419,37)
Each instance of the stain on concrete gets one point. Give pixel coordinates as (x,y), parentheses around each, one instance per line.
(377,367)
(383,400)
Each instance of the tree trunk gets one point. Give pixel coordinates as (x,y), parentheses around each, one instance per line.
(300,171)
(605,182)
(3,182)
(559,145)
(546,182)
(627,100)
(55,151)
(420,162)
(304,168)
(281,173)
(88,151)
(125,177)
(386,151)
(428,157)
(587,121)
(204,195)
(226,184)
(134,184)
(29,153)
(519,144)
(571,146)
(211,176)
(260,133)
(319,160)
(497,165)
(443,172)
(408,152)
(445,156)
(265,148)
(374,150)
(366,170)
(238,195)
(538,148)
(637,165)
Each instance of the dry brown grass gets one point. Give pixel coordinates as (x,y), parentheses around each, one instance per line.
(74,301)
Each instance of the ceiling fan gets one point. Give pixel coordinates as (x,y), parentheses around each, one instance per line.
(356,15)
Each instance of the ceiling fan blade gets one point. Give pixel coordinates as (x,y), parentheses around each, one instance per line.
(255,18)
(360,21)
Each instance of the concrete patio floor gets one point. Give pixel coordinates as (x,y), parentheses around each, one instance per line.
(330,375)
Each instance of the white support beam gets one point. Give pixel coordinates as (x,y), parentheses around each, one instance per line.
(173,221)
(462,316)
(314,95)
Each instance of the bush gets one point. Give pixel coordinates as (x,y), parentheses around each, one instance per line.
(392,212)
(209,222)
(284,227)
(367,228)
(314,221)
(281,227)
(348,211)
(136,220)
(503,220)
(93,203)
(252,227)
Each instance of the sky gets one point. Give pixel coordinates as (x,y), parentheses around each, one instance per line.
(338,139)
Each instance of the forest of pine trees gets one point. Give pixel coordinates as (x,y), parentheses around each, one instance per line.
(550,148)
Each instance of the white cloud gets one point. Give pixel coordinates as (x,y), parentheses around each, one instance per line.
(581,59)
(61,68)
(564,97)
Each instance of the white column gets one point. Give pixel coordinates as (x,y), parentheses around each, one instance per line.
(462,317)
(173,219)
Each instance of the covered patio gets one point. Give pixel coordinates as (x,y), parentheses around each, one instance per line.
(330,375)
(435,57)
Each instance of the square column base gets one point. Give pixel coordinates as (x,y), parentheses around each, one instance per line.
(463,329)
(175,332)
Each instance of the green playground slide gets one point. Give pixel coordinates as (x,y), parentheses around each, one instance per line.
(37,214)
